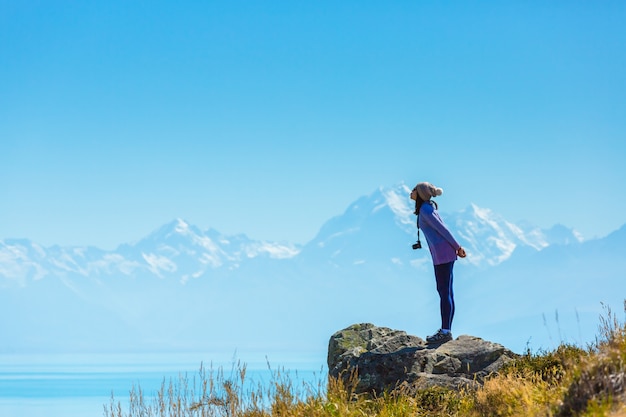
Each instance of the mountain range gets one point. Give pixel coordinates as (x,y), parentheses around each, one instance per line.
(183,288)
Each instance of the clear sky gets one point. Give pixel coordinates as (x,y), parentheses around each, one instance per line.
(270,117)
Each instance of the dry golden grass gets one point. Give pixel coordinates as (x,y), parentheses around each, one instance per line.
(569,381)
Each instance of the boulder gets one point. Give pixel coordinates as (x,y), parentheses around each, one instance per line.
(371,359)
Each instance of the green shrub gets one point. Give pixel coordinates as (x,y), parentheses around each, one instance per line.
(569,381)
(550,366)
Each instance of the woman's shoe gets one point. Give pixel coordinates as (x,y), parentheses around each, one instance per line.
(439,337)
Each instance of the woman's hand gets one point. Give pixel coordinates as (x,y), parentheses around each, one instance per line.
(461,253)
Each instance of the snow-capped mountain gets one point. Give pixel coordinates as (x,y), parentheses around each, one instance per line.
(378,228)
(381,227)
(175,249)
(183,287)
(490,239)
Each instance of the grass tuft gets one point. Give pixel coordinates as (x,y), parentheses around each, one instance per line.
(568,381)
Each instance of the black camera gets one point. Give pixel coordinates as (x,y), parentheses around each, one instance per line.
(417,245)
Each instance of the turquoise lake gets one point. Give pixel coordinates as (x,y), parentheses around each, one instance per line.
(82,385)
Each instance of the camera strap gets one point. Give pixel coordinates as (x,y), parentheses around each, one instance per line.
(417,222)
(418,228)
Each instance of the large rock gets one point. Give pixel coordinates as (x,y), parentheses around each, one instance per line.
(384,359)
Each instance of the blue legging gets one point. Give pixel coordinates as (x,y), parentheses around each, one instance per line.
(443,275)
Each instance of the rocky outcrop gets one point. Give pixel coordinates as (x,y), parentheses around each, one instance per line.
(376,359)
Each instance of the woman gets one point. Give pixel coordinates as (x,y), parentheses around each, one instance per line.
(444,250)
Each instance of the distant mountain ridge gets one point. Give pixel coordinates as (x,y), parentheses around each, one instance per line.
(382,225)
(375,228)
(175,248)
(181,287)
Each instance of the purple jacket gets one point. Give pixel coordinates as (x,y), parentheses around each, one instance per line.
(441,243)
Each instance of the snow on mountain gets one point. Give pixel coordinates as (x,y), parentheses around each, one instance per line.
(562,235)
(489,239)
(175,249)
(549,296)
(377,228)
(360,267)
(18,260)
(381,226)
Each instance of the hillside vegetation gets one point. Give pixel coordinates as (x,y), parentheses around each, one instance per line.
(568,381)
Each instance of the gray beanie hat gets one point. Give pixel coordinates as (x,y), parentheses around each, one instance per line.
(426,190)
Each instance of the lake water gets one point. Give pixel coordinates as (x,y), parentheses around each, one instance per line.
(81,385)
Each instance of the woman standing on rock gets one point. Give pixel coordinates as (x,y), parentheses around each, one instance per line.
(444,250)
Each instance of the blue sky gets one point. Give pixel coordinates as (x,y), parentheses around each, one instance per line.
(268,118)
